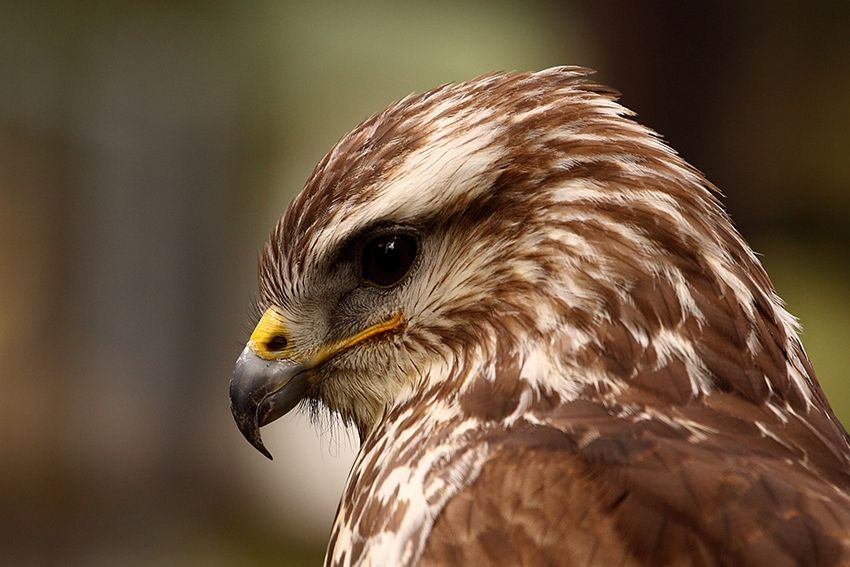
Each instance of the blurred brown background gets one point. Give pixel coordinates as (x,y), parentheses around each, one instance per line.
(146,149)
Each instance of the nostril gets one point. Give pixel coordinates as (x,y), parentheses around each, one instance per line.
(277,343)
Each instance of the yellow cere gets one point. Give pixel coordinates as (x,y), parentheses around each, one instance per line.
(270,327)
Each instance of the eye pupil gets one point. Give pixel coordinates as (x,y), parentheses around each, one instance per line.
(388,258)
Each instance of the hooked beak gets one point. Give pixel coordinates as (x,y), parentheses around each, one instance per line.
(263,390)
(267,382)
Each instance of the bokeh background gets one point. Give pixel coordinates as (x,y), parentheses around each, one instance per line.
(147,148)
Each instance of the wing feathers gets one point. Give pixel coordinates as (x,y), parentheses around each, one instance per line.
(644,492)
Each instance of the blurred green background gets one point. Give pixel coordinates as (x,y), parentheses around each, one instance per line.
(147,148)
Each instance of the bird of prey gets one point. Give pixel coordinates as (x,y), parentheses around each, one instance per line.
(554,345)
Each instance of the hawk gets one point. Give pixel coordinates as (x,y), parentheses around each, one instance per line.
(554,345)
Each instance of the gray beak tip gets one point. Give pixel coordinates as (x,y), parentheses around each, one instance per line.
(263,390)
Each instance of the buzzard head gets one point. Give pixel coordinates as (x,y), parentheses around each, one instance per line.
(515,223)
(554,345)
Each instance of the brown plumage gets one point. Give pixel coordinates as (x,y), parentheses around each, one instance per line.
(555,346)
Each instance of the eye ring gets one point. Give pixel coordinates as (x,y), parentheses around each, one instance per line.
(386,259)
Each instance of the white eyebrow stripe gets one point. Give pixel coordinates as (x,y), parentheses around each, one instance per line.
(444,170)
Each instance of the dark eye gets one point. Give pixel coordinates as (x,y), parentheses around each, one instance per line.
(388,258)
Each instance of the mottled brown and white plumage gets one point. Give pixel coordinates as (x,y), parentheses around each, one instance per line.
(585,364)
